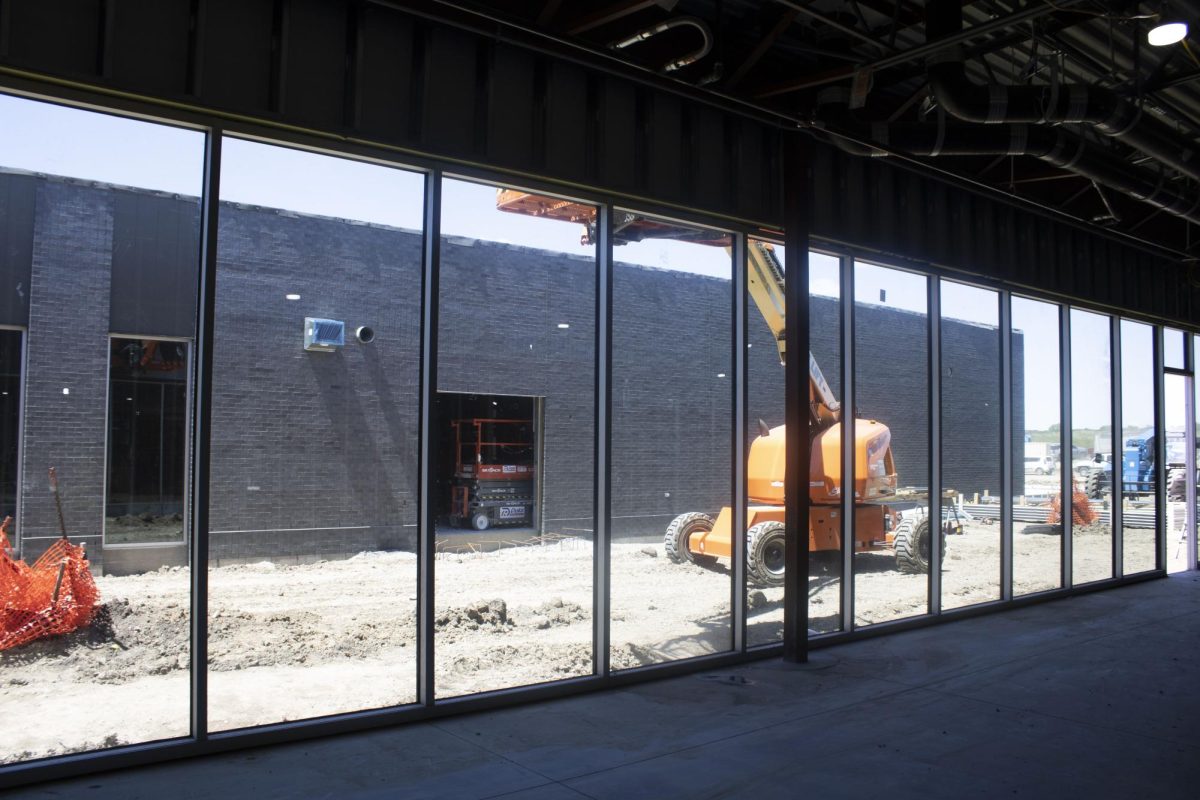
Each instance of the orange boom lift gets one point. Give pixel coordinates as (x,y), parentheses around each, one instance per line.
(698,538)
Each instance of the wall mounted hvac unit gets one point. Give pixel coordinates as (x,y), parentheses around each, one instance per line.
(323,335)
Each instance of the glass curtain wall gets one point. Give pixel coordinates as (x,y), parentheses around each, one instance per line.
(313,512)
(1138,498)
(313,516)
(891,405)
(971,442)
(672,444)
(1036,445)
(513,439)
(1092,447)
(99,222)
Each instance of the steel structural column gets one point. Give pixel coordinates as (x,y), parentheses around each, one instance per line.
(846,269)
(1066,473)
(1116,479)
(430,279)
(934,313)
(602,501)
(202,429)
(1006,448)
(737,541)
(796,188)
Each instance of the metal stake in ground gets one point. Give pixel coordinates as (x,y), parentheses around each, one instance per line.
(62,523)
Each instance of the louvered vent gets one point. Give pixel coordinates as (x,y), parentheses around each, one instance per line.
(323,334)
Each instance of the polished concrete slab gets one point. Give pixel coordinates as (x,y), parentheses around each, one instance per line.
(1095,696)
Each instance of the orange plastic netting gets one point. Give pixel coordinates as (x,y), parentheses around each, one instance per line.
(1082,512)
(56,595)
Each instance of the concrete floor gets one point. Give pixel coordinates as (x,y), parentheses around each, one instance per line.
(1095,696)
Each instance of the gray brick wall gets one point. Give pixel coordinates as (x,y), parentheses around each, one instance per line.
(67,348)
(314,453)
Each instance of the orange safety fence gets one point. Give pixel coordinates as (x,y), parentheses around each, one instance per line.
(54,596)
(1082,512)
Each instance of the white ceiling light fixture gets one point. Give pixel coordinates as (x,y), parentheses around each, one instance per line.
(291,297)
(562,326)
(1170,28)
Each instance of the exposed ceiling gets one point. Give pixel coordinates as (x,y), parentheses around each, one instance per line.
(1133,166)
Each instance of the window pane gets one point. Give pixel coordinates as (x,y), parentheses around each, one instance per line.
(1173,349)
(765,416)
(1196,401)
(1037,434)
(970,444)
(825,338)
(765,433)
(514,439)
(672,436)
(147,441)
(99,238)
(312,606)
(1137,452)
(1176,390)
(1091,423)
(891,399)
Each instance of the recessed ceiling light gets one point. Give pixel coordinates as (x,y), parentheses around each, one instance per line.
(291,297)
(720,374)
(562,326)
(1168,31)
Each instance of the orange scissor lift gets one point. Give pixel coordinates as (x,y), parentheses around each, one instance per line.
(493,483)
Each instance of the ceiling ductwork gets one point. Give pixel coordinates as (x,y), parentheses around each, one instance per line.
(1056,103)
(1105,122)
(1054,146)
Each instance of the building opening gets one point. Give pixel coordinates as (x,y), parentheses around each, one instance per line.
(147,441)
(487,461)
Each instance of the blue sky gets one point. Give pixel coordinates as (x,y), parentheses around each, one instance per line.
(42,137)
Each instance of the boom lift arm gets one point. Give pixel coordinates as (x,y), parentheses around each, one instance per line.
(765,286)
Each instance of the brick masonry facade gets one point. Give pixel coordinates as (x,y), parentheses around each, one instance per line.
(314,454)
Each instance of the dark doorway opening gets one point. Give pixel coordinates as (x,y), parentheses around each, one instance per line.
(487,461)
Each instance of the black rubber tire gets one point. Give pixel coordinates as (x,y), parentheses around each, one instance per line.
(912,546)
(1097,482)
(675,540)
(480,521)
(1177,485)
(765,553)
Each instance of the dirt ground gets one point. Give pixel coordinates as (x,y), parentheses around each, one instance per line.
(143,528)
(288,642)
